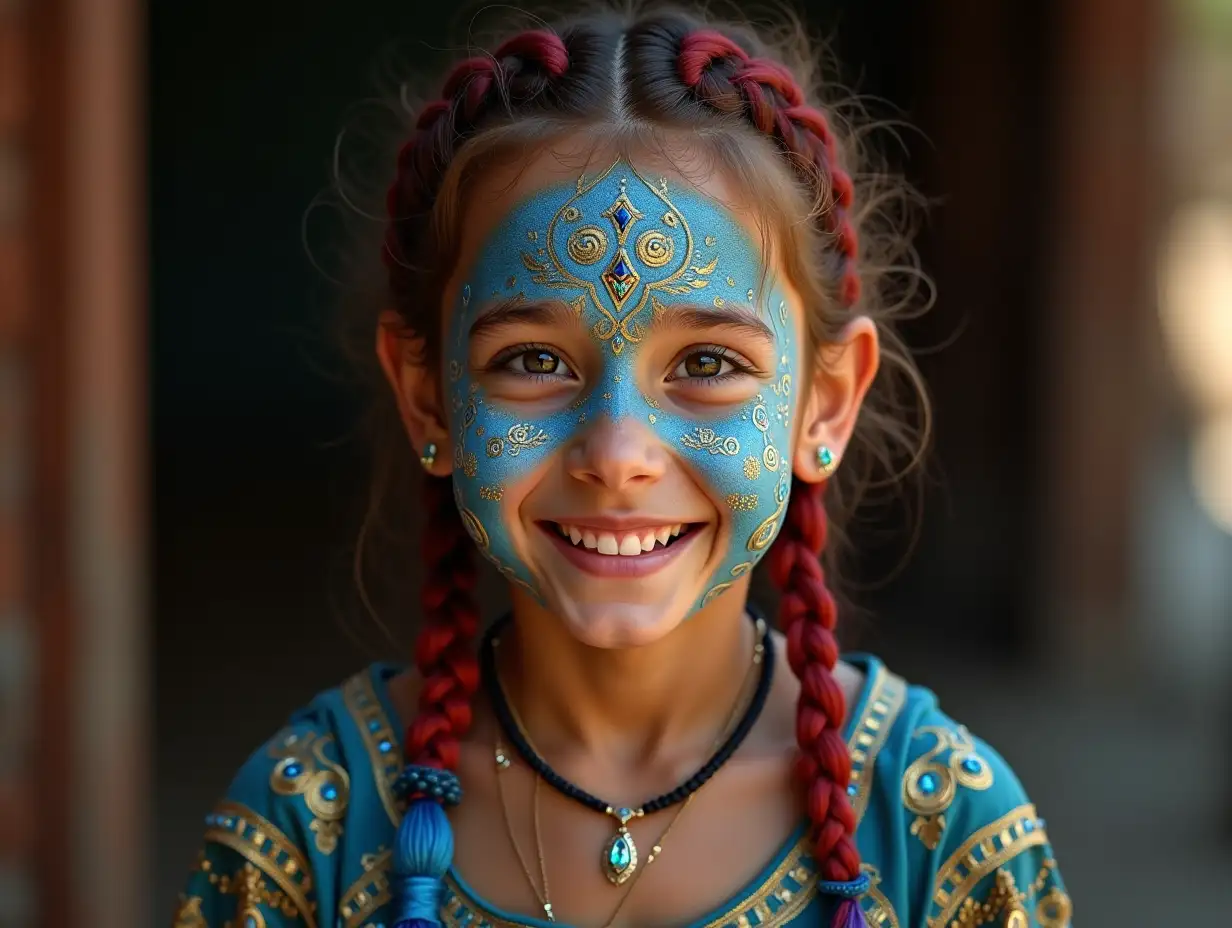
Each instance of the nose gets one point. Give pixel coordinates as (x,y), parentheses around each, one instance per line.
(618,454)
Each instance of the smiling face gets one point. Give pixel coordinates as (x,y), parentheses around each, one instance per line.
(618,366)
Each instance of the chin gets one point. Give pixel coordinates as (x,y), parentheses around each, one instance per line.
(614,625)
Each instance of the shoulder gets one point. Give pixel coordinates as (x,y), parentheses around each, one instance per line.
(305,813)
(947,827)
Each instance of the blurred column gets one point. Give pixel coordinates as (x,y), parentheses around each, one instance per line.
(78,369)
(1101,413)
(16,612)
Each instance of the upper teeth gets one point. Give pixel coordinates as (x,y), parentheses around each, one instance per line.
(626,543)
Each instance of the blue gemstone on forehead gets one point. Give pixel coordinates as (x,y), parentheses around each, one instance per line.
(621,269)
(622,216)
(928,784)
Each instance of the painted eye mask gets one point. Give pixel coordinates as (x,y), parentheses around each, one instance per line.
(618,249)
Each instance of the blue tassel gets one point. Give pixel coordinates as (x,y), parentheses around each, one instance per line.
(423,853)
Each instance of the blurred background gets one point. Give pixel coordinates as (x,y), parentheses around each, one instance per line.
(179,478)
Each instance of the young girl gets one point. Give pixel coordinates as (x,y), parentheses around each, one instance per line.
(634,331)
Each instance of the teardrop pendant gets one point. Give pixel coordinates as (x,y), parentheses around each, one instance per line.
(619,857)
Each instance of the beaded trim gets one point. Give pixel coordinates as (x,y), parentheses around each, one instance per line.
(846,889)
(369,892)
(263,844)
(981,854)
(379,738)
(886,698)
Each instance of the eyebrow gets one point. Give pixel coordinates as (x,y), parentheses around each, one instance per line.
(518,310)
(742,319)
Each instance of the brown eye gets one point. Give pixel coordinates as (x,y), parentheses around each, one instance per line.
(702,364)
(537,361)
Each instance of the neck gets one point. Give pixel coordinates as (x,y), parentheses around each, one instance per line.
(626,705)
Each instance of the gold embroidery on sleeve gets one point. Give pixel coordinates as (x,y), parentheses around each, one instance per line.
(885,700)
(269,853)
(369,892)
(930,784)
(878,911)
(189,915)
(978,856)
(304,770)
(1054,910)
(379,738)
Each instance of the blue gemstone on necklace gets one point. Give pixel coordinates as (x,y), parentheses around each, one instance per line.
(619,856)
(928,784)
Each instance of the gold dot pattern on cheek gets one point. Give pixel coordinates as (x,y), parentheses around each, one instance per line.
(742,502)
(752,468)
(492,494)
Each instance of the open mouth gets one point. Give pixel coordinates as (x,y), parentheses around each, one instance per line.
(622,544)
(623,553)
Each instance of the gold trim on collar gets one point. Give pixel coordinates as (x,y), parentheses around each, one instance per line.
(886,698)
(261,843)
(359,697)
(981,854)
(878,910)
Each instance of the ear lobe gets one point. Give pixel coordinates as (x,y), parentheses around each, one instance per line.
(416,392)
(830,405)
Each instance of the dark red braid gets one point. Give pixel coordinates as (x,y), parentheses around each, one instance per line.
(724,76)
(807,616)
(444,651)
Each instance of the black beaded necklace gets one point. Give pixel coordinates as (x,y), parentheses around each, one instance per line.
(620,852)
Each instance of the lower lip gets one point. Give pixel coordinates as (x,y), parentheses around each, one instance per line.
(618,565)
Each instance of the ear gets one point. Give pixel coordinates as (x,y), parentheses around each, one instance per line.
(842,372)
(416,390)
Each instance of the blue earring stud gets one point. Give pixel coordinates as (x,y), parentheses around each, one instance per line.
(827,462)
(428,458)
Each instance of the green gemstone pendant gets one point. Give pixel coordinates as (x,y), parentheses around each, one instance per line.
(620,852)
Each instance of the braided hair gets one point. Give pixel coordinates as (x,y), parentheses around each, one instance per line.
(667,71)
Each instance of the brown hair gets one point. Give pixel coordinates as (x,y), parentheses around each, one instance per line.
(753,105)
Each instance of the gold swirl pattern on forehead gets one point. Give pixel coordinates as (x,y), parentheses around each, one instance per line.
(622,284)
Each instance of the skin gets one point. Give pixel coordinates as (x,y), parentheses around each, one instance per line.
(577,640)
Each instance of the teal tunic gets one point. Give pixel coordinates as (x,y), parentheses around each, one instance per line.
(945,829)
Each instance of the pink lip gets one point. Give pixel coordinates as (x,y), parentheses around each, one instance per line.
(617,565)
(617,524)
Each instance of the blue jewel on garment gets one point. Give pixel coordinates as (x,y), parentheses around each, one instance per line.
(251,922)
(384,747)
(329,793)
(972,765)
(852,789)
(374,726)
(292,770)
(927,784)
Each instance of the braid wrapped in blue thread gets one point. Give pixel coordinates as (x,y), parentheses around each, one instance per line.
(423,849)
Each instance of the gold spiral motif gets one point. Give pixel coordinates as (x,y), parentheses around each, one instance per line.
(475,529)
(587,245)
(654,249)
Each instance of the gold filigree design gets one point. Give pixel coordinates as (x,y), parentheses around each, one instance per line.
(886,698)
(752,468)
(781,897)
(705,439)
(268,853)
(379,738)
(494,447)
(764,533)
(524,437)
(368,893)
(621,285)
(188,913)
(878,911)
(930,785)
(742,502)
(1055,910)
(587,245)
(475,529)
(654,249)
(304,770)
(492,494)
(1005,902)
(983,852)
(715,592)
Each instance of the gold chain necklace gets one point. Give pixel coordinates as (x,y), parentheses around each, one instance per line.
(503,763)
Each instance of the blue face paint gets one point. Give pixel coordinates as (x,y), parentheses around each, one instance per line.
(617,248)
